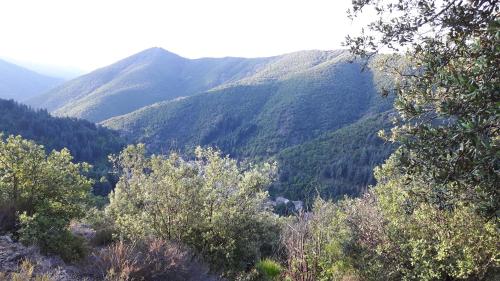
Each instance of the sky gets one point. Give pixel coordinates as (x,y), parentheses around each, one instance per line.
(87,34)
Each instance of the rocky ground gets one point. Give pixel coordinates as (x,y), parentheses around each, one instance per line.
(13,254)
(21,263)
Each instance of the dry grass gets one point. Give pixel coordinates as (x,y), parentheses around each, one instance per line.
(154,259)
(26,272)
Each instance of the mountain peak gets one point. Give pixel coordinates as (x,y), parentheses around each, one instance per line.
(157,52)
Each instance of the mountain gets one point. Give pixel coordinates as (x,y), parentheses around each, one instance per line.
(282,108)
(291,101)
(19,83)
(87,141)
(145,78)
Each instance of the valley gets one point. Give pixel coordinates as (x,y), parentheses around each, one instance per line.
(258,141)
(254,110)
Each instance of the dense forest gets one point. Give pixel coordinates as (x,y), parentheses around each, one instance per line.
(251,109)
(87,141)
(335,164)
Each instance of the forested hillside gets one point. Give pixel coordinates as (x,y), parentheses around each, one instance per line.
(150,76)
(87,141)
(335,164)
(20,83)
(294,100)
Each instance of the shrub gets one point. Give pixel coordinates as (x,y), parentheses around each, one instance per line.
(103,237)
(102,224)
(47,190)
(382,236)
(51,236)
(153,259)
(283,209)
(322,245)
(269,268)
(211,204)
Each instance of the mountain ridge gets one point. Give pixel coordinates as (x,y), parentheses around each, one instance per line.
(142,79)
(155,75)
(20,83)
(278,108)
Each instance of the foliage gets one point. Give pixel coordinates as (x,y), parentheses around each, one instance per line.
(335,164)
(430,216)
(269,268)
(87,141)
(431,242)
(375,238)
(315,244)
(209,204)
(283,209)
(447,98)
(48,191)
(102,224)
(48,231)
(434,213)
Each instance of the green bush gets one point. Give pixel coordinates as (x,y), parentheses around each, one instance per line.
(211,204)
(52,237)
(103,226)
(269,268)
(48,191)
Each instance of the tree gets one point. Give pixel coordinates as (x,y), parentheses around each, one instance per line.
(447,94)
(87,141)
(438,194)
(425,242)
(43,193)
(210,204)
(433,214)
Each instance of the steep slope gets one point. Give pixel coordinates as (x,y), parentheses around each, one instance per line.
(145,78)
(336,163)
(294,101)
(20,83)
(260,115)
(86,141)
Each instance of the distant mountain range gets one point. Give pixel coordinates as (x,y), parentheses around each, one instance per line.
(145,78)
(287,101)
(20,83)
(314,112)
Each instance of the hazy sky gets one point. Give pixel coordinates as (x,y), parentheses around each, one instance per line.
(92,33)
